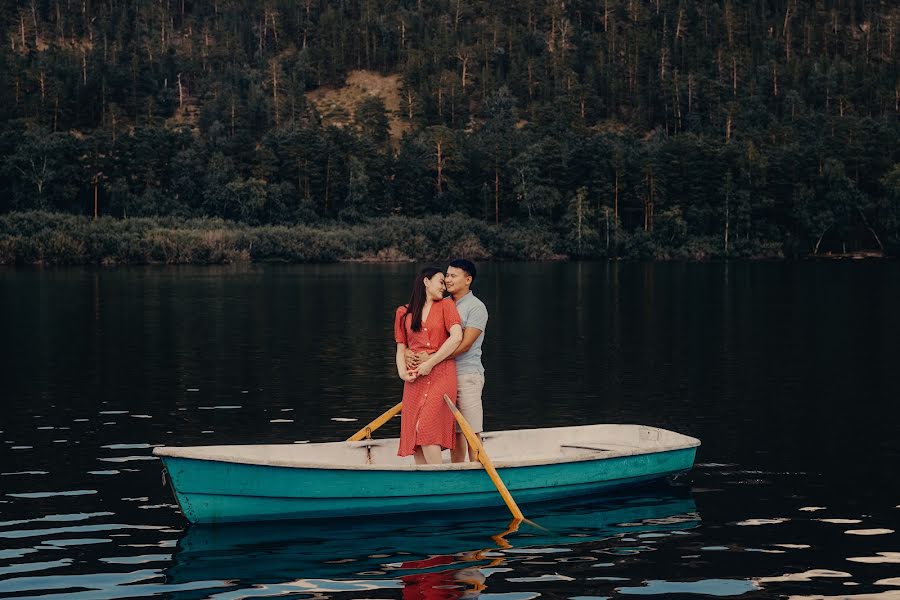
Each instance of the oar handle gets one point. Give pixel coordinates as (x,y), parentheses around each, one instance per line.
(484,459)
(366,432)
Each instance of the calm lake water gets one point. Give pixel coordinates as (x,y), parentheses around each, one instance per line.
(788,373)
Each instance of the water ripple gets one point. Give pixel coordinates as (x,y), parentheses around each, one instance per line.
(51,494)
(34,566)
(881,557)
(26,533)
(706,587)
(804,576)
(57,518)
(869,531)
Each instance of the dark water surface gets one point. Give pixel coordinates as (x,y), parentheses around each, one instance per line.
(788,373)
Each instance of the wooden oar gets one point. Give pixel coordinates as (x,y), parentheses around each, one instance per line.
(366,432)
(485,460)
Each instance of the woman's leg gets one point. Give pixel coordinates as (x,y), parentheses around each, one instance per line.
(432,453)
(419,456)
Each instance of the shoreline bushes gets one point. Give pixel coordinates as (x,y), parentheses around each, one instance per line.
(41,238)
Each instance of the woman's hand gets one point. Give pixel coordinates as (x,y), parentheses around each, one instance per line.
(414,358)
(404,371)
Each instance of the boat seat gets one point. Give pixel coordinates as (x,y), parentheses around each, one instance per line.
(598,446)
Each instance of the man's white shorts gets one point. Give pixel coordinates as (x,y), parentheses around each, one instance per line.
(468,398)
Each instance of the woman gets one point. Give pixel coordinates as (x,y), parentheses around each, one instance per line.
(429,323)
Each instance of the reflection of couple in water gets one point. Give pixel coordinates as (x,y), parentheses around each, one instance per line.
(462,579)
(439,352)
(433,583)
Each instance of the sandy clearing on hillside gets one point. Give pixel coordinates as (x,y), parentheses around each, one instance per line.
(337,105)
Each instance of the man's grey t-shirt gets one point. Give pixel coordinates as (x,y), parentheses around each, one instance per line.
(474,314)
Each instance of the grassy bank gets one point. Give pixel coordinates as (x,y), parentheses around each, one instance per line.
(62,239)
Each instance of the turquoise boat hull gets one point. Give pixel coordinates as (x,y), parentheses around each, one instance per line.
(218,491)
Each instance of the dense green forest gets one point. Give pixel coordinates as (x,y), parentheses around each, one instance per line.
(530,128)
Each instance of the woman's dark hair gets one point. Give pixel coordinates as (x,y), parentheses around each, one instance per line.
(417,299)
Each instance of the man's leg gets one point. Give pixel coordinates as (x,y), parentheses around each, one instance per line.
(468,400)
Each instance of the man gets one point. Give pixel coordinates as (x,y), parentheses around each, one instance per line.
(469,370)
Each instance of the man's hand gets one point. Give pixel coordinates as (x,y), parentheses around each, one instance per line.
(414,359)
(424,369)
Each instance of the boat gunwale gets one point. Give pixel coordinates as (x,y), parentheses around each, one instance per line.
(588,455)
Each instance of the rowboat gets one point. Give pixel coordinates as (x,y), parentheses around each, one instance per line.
(234,483)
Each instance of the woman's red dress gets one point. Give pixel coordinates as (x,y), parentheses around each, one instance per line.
(426,419)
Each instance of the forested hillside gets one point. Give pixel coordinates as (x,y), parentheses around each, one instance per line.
(666,128)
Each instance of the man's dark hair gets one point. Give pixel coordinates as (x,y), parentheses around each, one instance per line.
(466,265)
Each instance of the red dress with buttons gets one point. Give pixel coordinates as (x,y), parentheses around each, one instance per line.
(426,419)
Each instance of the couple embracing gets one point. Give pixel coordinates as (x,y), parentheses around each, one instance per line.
(439,352)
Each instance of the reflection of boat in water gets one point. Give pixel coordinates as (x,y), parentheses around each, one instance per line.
(353,551)
(290,481)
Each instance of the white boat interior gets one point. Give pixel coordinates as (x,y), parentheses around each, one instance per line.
(520,447)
